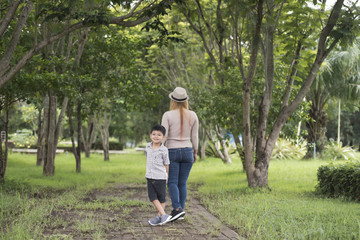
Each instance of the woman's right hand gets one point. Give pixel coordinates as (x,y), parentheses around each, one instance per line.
(195,156)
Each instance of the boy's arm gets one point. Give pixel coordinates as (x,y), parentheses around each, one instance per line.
(167,172)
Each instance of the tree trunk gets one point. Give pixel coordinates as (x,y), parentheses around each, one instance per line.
(2,164)
(8,16)
(339,119)
(40,145)
(248,140)
(316,125)
(203,143)
(89,138)
(106,146)
(52,128)
(220,136)
(44,129)
(4,155)
(10,50)
(105,142)
(49,160)
(71,126)
(239,149)
(79,127)
(258,176)
(104,124)
(217,149)
(104,133)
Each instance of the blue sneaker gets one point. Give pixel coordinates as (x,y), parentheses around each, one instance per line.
(155,221)
(164,219)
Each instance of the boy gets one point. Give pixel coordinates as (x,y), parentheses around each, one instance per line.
(157,171)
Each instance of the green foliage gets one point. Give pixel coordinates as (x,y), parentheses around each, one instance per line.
(333,151)
(23,138)
(286,150)
(88,12)
(210,150)
(112,145)
(350,124)
(163,36)
(340,179)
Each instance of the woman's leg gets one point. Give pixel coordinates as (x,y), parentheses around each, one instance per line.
(182,185)
(184,171)
(173,179)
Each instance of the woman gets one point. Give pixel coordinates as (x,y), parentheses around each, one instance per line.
(181,126)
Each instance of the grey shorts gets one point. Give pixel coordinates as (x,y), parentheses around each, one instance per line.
(156,190)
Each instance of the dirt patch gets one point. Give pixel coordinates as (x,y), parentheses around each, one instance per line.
(123,212)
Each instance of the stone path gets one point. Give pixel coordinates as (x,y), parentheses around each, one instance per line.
(122,212)
(198,222)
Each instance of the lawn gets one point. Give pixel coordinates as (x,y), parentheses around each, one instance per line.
(289,210)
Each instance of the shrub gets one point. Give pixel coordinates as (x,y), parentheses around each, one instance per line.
(285,149)
(210,149)
(112,146)
(337,179)
(23,138)
(334,151)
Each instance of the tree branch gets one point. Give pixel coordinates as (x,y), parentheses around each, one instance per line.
(201,13)
(321,53)
(9,16)
(6,74)
(248,144)
(5,60)
(292,73)
(200,33)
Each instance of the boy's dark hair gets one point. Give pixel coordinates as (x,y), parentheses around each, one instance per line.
(158,127)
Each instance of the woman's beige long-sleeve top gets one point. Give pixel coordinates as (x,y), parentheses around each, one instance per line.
(189,137)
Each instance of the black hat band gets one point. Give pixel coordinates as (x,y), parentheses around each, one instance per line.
(177,99)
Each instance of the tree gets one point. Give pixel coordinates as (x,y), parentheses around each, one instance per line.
(77,14)
(256,28)
(64,17)
(8,96)
(183,63)
(340,71)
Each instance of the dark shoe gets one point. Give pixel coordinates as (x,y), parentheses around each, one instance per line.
(175,214)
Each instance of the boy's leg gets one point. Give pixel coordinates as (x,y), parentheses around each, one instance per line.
(163,205)
(159,207)
(160,203)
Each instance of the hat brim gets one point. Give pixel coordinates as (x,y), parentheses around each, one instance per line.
(177,99)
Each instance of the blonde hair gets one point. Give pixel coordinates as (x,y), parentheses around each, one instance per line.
(181,106)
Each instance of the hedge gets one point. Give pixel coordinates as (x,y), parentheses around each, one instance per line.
(97,146)
(335,180)
(112,146)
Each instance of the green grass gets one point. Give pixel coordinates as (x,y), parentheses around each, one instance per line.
(291,210)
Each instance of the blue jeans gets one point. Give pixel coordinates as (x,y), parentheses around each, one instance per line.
(181,161)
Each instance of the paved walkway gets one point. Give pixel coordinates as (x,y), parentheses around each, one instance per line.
(123,213)
(198,222)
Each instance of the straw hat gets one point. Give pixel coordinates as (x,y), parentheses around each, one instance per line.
(179,95)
